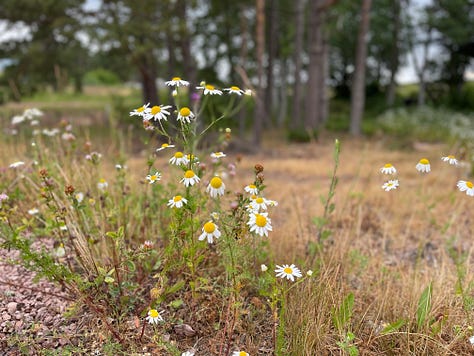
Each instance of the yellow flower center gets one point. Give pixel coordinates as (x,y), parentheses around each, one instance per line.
(451,157)
(141,108)
(155,110)
(469,184)
(288,270)
(209,227)
(252,186)
(209,87)
(189,174)
(259,200)
(102,180)
(164,145)
(260,220)
(235,88)
(178,155)
(388,165)
(176,79)
(153,313)
(424,161)
(242,353)
(153,177)
(185,111)
(216,182)
(177,198)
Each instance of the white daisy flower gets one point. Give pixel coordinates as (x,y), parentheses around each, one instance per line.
(152,178)
(390,185)
(17,119)
(188,353)
(190,178)
(251,189)
(30,114)
(209,231)
(309,273)
(217,154)
(466,186)
(210,90)
(17,164)
(177,202)
(33,211)
(263,268)
(388,169)
(185,115)
(261,224)
(272,202)
(259,203)
(158,113)
(141,111)
(288,271)
(248,92)
(450,159)
(234,90)
(216,187)
(177,82)
(179,159)
(240,353)
(164,146)
(79,197)
(50,133)
(154,316)
(423,166)
(102,185)
(471,340)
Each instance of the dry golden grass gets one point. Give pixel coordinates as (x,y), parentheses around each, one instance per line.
(386,246)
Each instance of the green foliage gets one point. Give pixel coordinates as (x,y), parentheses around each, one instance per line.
(101,76)
(424,306)
(300,135)
(393,327)
(341,316)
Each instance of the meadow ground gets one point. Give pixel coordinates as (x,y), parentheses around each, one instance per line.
(385,248)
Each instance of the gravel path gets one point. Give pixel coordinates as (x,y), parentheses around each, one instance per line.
(30,313)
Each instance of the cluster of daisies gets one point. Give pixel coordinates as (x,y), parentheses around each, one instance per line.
(159,113)
(424,166)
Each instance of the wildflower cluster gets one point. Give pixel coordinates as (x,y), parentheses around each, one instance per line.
(424,166)
(128,248)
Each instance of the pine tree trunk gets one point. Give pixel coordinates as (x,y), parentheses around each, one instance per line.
(358,84)
(272,53)
(260,47)
(148,82)
(394,61)
(297,121)
(312,118)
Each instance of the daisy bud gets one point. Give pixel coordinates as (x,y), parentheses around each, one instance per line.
(174,93)
(258,168)
(309,273)
(263,268)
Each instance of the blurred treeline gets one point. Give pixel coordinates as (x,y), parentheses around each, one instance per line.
(298,56)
